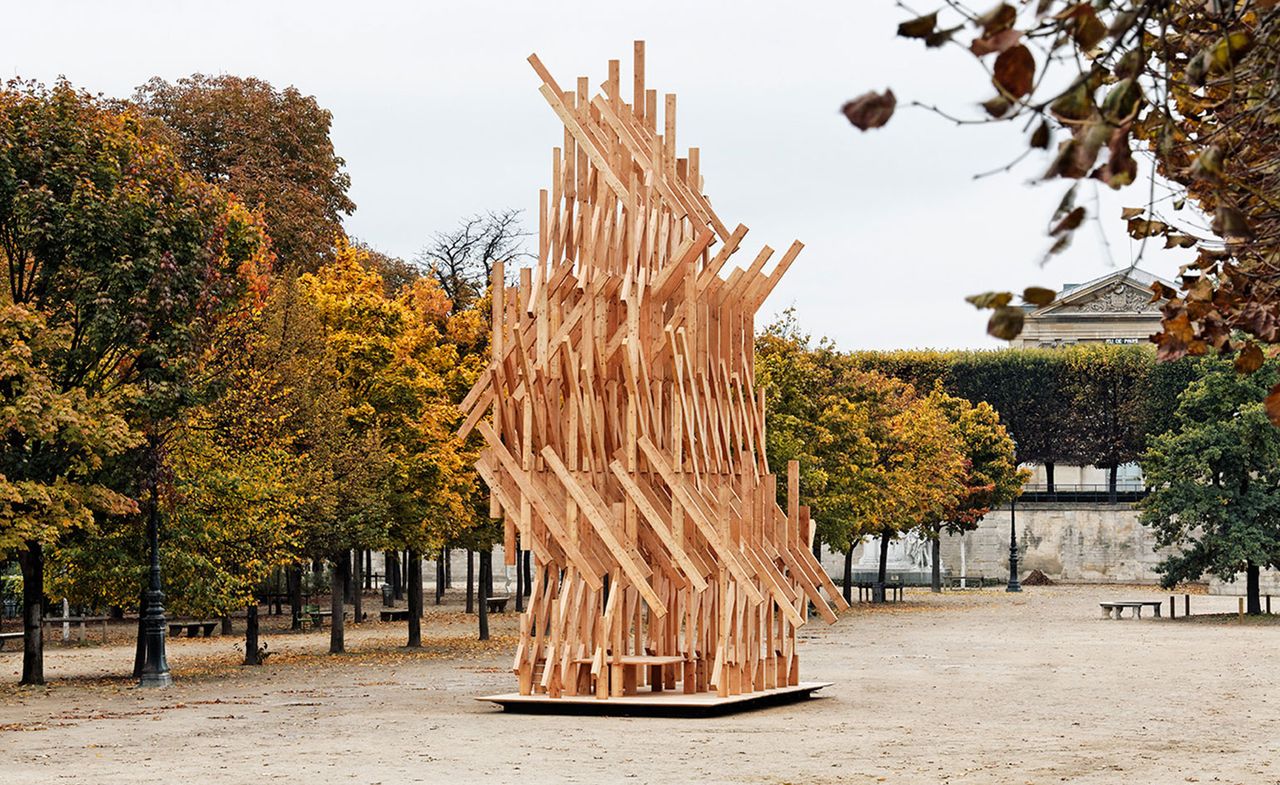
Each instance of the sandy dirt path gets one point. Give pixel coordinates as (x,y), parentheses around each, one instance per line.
(980,688)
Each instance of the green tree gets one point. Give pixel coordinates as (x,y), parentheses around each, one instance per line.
(270,147)
(114,243)
(1214,481)
(795,376)
(55,442)
(239,482)
(990,477)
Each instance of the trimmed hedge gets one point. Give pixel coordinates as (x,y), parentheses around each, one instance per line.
(1086,404)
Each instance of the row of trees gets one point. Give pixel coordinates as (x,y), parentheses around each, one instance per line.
(879,456)
(1198,427)
(188,340)
(1082,405)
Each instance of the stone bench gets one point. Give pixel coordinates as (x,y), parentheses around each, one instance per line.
(393,614)
(497,604)
(867,590)
(205,628)
(1135,607)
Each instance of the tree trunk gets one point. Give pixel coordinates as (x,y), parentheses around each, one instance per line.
(448,568)
(486,569)
(31,561)
(391,566)
(1111,483)
(1254,602)
(848,575)
(488,577)
(346,588)
(368,569)
(415,600)
(519,583)
(357,594)
(528,572)
(935,580)
(251,653)
(440,576)
(471,581)
(341,563)
(295,596)
(1048,475)
(884,561)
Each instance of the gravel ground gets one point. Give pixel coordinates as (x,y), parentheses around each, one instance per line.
(982,688)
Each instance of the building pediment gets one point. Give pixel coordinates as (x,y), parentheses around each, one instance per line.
(1118,293)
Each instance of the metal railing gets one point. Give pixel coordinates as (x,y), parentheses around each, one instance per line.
(1073,492)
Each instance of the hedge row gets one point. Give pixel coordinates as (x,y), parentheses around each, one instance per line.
(1087,404)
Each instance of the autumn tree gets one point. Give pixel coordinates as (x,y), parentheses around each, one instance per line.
(795,376)
(1214,481)
(396,273)
(1030,389)
(990,476)
(402,364)
(115,245)
(360,325)
(240,482)
(876,458)
(55,442)
(270,147)
(1191,86)
(436,359)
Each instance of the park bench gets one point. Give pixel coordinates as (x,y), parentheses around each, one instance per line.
(497,604)
(176,628)
(315,616)
(967,581)
(80,621)
(312,615)
(1135,608)
(394,614)
(9,636)
(867,590)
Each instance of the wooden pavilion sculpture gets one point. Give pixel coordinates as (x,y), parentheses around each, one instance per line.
(626,446)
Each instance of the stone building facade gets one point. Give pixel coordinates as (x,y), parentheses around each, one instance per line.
(1116,308)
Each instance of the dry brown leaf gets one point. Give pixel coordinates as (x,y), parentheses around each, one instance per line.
(870,110)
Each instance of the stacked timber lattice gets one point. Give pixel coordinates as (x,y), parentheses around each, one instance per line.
(624,438)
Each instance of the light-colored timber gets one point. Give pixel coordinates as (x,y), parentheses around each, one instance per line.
(624,437)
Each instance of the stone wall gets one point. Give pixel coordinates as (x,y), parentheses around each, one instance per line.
(1088,543)
(1074,543)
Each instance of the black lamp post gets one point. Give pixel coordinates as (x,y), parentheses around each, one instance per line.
(155,665)
(1014,584)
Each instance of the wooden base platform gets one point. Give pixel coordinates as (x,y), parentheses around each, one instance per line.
(655,704)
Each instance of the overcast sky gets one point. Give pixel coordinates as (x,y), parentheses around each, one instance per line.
(438,116)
